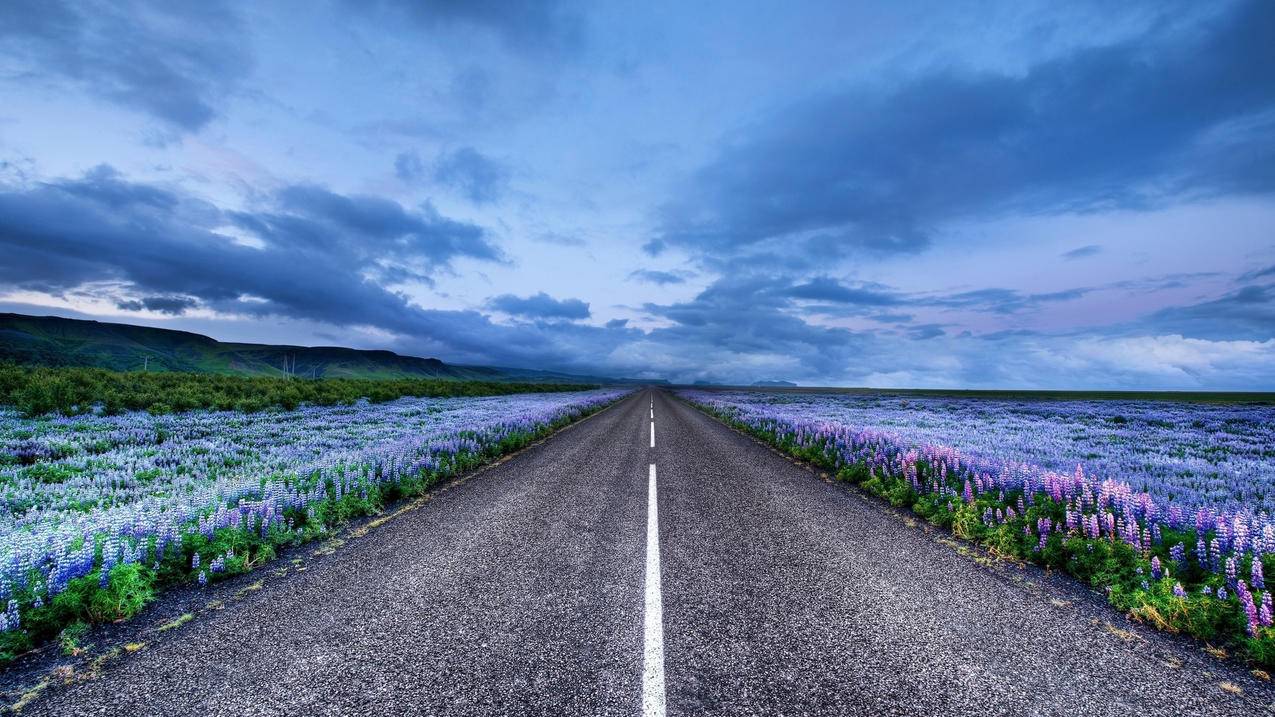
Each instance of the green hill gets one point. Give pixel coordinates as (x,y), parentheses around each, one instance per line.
(55,341)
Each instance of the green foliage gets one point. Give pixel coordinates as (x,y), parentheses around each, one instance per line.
(71,640)
(35,391)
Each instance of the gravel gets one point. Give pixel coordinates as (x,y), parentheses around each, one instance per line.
(519,591)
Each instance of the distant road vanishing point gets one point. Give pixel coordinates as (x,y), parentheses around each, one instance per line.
(649,560)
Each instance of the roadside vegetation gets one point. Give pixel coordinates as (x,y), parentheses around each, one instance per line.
(1187,551)
(98,514)
(71,391)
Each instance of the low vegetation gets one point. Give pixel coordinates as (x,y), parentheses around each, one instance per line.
(1186,551)
(72,391)
(98,514)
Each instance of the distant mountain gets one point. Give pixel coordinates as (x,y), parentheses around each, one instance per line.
(55,341)
(775,384)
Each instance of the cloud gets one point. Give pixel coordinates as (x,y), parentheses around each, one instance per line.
(171,305)
(660,278)
(409,167)
(540,306)
(1082,252)
(831,290)
(1003,301)
(1259,273)
(617,323)
(881,169)
(472,174)
(1248,313)
(534,27)
(314,255)
(178,63)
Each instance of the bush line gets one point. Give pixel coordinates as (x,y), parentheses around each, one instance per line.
(35,390)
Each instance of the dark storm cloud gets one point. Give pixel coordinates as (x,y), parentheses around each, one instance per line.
(1129,125)
(540,306)
(176,62)
(1082,252)
(320,258)
(660,278)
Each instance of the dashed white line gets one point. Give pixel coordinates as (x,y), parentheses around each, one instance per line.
(653,654)
(652,434)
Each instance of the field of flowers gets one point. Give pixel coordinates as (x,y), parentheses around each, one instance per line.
(1165,506)
(97,512)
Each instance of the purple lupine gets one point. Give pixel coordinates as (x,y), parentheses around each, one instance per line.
(1178,590)
(1258,580)
(203,578)
(1264,614)
(1250,609)
(1230,572)
(1178,554)
(1155,567)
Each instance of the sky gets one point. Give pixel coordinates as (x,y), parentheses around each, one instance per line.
(895,194)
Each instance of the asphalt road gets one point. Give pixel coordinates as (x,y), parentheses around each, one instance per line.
(531,588)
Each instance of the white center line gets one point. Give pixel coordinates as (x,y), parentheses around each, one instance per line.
(653,665)
(652,434)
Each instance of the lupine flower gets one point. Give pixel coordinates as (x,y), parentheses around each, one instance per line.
(1258,580)
(203,578)
(1178,590)
(1155,567)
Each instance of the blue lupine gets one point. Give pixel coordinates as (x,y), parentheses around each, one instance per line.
(1178,590)
(1178,554)
(1255,576)
(1155,567)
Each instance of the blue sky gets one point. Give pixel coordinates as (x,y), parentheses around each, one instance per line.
(942,194)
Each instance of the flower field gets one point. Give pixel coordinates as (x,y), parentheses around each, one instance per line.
(98,512)
(1167,507)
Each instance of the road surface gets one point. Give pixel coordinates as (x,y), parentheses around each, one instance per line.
(649,560)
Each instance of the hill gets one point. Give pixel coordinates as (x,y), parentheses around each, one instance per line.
(55,341)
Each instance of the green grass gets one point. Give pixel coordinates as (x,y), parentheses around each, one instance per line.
(35,391)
